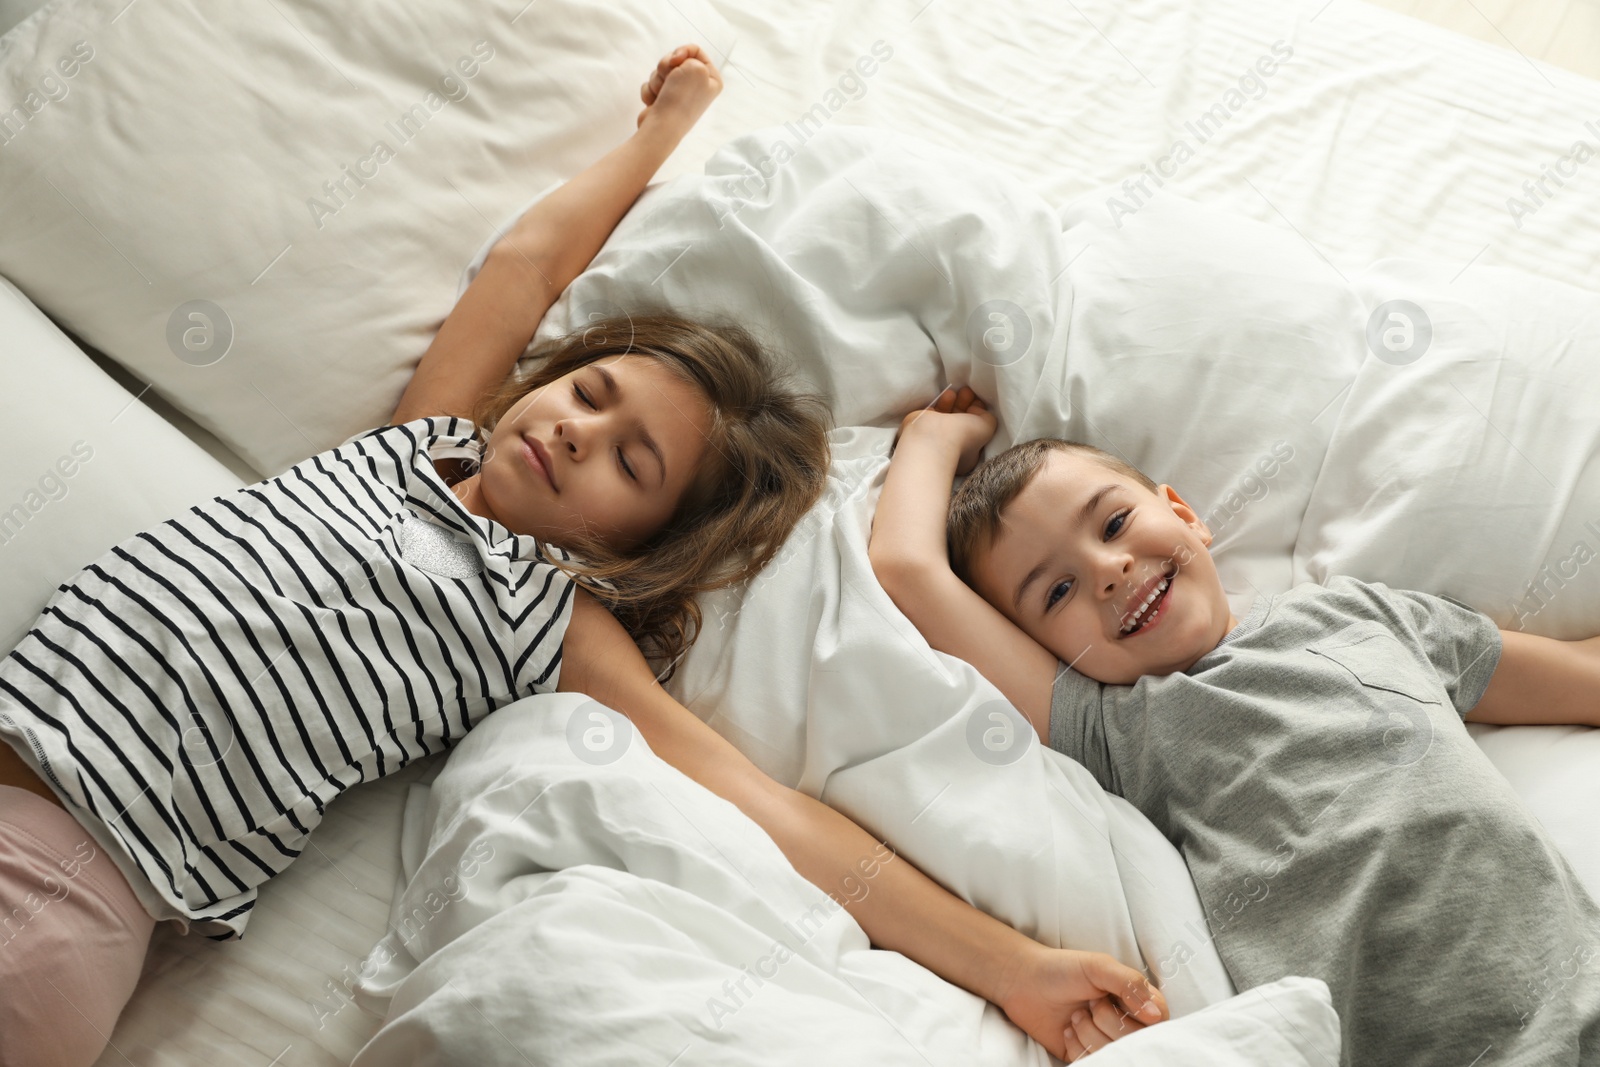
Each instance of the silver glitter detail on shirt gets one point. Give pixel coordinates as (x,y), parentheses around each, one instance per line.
(436,550)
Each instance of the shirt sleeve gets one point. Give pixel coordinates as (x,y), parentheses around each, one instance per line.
(1077,724)
(1461,642)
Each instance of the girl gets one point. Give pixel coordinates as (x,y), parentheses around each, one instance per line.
(186,707)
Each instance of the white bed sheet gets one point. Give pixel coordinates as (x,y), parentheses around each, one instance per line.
(1382,136)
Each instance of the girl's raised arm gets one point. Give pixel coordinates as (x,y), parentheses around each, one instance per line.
(550,245)
(1041,989)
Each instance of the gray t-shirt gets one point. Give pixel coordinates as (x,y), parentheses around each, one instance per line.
(1341,823)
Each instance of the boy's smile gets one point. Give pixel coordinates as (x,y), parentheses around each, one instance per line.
(1113,579)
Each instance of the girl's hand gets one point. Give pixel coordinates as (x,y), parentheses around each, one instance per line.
(1068,1001)
(680,88)
(959,418)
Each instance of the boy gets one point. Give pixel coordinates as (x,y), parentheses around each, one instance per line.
(1308,761)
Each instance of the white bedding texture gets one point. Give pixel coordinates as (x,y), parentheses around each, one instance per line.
(1177,229)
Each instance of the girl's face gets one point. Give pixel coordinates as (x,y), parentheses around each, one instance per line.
(607,450)
(1081,548)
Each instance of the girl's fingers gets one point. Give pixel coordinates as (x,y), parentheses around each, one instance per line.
(666,65)
(675,57)
(1075,1047)
(658,77)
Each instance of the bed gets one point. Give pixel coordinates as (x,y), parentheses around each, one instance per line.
(189,167)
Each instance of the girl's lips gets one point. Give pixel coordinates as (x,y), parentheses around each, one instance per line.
(1156,612)
(537,458)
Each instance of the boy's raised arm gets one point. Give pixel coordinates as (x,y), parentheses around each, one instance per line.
(911,561)
(1542,680)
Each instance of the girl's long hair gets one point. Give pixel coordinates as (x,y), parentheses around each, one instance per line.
(765,464)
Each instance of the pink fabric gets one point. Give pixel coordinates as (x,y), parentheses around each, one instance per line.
(72,937)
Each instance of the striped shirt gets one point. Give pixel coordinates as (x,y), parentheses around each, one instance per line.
(199,694)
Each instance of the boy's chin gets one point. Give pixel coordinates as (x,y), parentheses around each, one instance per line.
(1125,672)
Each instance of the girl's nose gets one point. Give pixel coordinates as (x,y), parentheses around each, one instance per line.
(572,436)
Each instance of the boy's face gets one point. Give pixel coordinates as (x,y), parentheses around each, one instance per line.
(1072,581)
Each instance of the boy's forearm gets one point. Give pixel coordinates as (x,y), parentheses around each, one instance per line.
(908,528)
(1540,680)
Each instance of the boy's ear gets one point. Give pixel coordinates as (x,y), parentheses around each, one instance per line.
(1181,508)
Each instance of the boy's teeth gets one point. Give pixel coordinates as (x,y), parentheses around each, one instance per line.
(1151,599)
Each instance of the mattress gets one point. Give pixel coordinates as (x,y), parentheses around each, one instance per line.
(1376,136)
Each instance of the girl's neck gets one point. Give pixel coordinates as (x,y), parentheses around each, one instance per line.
(468,490)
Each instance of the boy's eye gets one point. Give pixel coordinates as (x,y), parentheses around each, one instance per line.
(583,396)
(622,459)
(1114,526)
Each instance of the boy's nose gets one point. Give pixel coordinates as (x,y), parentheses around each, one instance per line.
(1118,575)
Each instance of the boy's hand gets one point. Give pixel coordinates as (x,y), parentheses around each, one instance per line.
(680,89)
(1068,1001)
(957,418)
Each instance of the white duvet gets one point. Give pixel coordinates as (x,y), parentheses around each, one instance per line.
(1221,355)
(573,913)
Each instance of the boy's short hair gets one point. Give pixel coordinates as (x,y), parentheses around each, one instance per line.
(974,516)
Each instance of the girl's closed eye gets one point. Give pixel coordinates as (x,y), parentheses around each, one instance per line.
(626,468)
(583,396)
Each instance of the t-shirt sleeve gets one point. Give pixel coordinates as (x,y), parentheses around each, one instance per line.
(1077,724)
(1461,642)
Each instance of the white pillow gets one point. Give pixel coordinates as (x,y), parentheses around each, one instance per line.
(185,159)
(1205,348)
(1210,351)
(86,464)
(1468,463)
(870,259)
